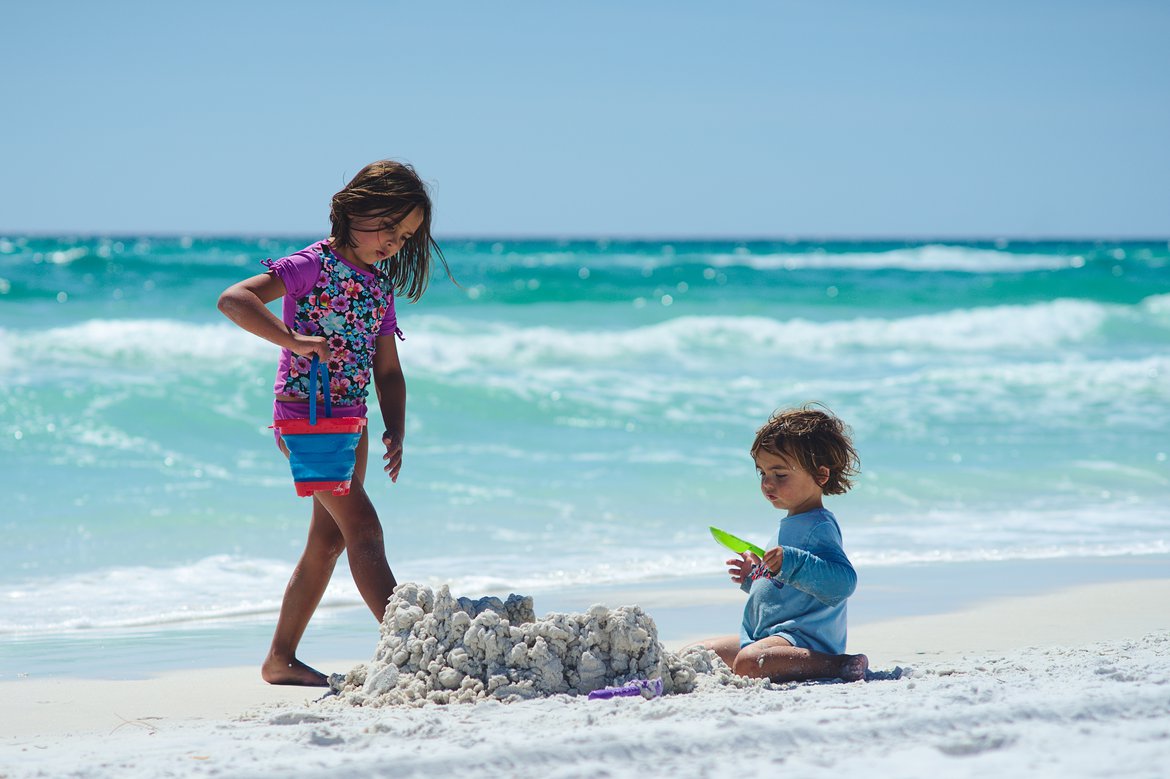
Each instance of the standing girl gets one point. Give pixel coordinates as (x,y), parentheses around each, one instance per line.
(339,305)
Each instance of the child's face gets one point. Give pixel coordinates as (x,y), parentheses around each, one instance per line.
(786,485)
(377,238)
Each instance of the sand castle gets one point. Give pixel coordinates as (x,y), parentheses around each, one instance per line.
(436,648)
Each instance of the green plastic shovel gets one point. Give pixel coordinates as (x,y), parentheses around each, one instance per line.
(735,543)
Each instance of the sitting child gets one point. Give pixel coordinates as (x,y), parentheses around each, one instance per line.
(794,621)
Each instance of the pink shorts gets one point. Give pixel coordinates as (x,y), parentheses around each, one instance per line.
(290,409)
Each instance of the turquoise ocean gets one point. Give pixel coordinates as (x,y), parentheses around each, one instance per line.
(579,412)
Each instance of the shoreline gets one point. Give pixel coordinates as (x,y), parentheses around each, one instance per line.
(39,709)
(685,610)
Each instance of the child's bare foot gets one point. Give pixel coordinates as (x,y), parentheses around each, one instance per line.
(277,671)
(853,668)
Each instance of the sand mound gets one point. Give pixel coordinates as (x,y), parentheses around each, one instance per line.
(439,649)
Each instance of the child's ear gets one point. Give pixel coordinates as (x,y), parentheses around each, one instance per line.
(822,476)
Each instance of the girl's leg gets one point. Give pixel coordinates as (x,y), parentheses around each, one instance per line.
(365,546)
(339,522)
(301,597)
(773,657)
(727,647)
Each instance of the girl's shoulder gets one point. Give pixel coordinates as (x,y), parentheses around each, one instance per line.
(314,254)
(300,270)
(818,523)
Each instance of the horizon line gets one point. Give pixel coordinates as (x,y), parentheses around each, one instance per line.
(631,237)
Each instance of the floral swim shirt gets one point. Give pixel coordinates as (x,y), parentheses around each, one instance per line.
(327,296)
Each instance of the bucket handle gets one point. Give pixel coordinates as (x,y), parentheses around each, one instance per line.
(316,367)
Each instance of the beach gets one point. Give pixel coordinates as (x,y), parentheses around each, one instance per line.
(1019,686)
(609,245)
(579,413)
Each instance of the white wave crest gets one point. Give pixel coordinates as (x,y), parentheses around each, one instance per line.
(113,343)
(684,347)
(925,259)
(437,345)
(213,588)
(930,258)
(1157,305)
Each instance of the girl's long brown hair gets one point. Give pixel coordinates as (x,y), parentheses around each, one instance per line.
(389,189)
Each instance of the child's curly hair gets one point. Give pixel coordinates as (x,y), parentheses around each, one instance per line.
(813,438)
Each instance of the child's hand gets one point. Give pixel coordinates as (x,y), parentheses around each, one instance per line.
(393,456)
(740,567)
(773,559)
(308,345)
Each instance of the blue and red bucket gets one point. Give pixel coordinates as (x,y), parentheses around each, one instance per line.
(321,451)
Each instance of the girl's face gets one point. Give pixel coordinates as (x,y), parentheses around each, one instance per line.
(378,238)
(786,485)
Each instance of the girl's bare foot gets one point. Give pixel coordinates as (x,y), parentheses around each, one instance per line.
(853,668)
(277,671)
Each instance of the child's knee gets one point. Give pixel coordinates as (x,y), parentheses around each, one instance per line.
(368,544)
(333,548)
(748,663)
(326,540)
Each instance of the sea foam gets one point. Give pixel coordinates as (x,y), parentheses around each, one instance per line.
(223,587)
(922,259)
(441,344)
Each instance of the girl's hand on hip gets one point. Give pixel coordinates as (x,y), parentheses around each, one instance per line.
(308,345)
(740,567)
(393,456)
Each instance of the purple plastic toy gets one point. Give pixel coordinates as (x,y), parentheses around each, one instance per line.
(647,688)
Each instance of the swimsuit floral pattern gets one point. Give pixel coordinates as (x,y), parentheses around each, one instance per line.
(346,307)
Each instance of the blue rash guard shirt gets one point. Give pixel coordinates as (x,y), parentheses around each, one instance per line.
(805,602)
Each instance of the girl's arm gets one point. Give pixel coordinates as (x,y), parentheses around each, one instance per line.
(245,304)
(822,570)
(829,581)
(391,387)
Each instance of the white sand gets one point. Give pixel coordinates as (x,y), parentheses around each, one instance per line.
(1075,683)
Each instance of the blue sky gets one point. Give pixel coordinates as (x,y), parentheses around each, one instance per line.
(593,118)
